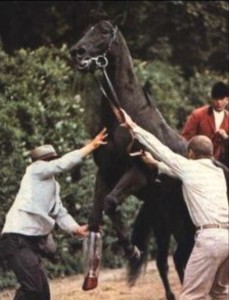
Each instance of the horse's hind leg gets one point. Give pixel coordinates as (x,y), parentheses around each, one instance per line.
(160,222)
(185,242)
(151,217)
(162,236)
(161,226)
(142,230)
(183,231)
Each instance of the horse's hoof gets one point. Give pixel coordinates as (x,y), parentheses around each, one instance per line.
(135,260)
(136,253)
(133,253)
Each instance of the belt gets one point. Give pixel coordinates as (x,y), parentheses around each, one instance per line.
(208,226)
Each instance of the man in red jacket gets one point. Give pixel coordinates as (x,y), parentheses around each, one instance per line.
(213,121)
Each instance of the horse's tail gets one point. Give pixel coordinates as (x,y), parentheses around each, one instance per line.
(140,238)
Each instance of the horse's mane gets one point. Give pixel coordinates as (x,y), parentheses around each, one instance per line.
(173,140)
(144,107)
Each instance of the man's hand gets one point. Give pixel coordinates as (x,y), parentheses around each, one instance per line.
(128,122)
(222,133)
(100,139)
(95,143)
(149,159)
(82,231)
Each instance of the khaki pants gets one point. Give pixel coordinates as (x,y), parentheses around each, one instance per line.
(207,269)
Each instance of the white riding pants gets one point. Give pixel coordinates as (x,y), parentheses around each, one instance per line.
(207,269)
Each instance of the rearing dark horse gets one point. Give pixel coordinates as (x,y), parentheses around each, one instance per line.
(120,175)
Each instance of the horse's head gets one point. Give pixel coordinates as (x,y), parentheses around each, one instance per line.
(92,48)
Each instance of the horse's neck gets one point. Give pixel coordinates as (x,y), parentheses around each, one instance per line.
(133,100)
(124,80)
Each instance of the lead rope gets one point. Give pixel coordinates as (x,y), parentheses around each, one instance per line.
(115,103)
(118,111)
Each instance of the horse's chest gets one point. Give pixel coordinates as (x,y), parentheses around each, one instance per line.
(113,157)
(120,138)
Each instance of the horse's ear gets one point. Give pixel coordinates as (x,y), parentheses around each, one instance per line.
(96,15)
(120,19)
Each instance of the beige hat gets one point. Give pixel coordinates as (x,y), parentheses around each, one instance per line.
(43,152)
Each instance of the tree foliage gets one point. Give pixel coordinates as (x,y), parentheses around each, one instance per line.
(187,33)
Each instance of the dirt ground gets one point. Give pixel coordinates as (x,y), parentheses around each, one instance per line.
(112,286)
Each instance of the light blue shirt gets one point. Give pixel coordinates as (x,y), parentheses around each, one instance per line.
(38,206)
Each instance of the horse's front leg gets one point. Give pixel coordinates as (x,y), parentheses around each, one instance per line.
(96,215)
(129,184)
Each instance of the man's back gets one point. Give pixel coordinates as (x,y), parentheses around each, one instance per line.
(204,189)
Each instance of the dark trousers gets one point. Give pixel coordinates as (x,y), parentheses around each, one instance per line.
(22,254)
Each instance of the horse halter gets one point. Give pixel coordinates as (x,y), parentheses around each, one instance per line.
(100,61)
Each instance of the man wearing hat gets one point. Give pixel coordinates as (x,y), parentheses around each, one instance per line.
(35,211)
(212,121)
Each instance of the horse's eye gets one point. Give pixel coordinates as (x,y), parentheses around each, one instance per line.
(99,45)
(105,31)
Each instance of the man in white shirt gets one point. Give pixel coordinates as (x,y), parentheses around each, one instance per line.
(205,193)
(35,211)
